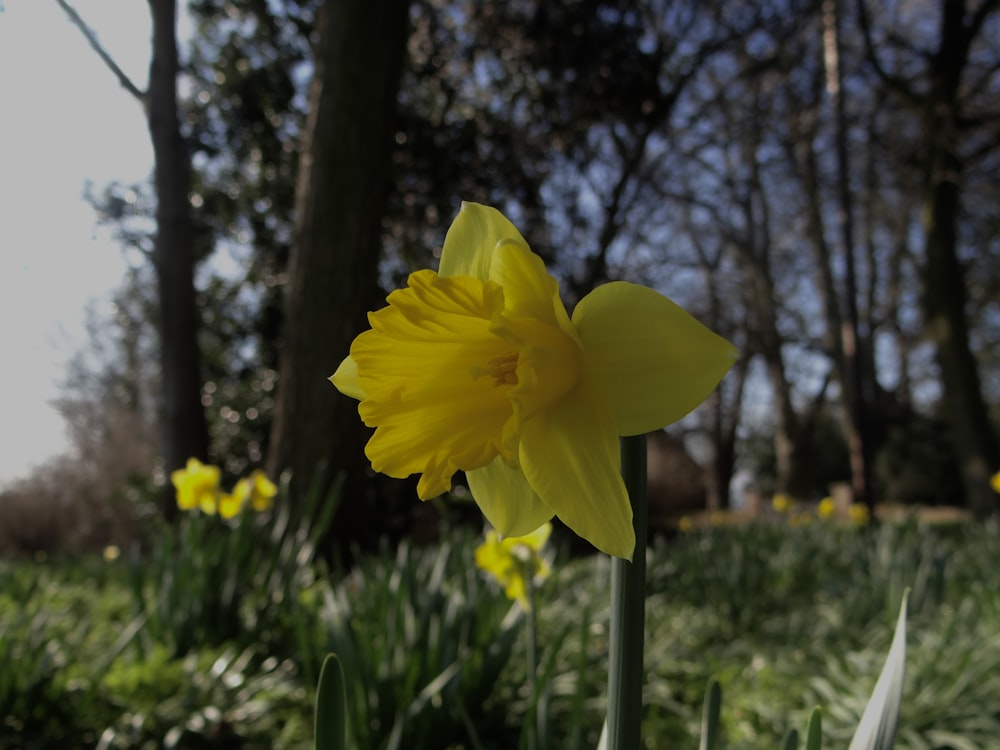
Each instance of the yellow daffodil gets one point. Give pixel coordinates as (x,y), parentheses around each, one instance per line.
(197,486)
(479,368)
(231,503)
(781,503)
(510,560)
(859,514)
(257,490)
(827,508)
(995,482)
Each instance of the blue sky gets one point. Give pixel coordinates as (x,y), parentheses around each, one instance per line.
(65,121)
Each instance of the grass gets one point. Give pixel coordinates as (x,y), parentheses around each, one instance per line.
(785,618)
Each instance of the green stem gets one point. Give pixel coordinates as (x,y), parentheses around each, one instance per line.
(532,655)
(628,611)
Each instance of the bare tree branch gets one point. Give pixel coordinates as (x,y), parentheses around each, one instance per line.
(93,41)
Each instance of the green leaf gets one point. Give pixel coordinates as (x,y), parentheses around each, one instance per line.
(791,740)
(814,733)
(710,716)
(331,706)
(877,729)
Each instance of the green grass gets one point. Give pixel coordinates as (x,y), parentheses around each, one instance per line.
(785,618)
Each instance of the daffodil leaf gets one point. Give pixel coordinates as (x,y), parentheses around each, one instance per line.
(814,734)
(877,729)
(331,706)
(791,740)
(710,716)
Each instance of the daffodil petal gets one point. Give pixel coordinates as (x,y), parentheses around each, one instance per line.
(529,290)
(506,499)
(490,557)
(647,357)
(424,367)
(229,506)
(515,591)
(537,538)
(570,457)
(345,379)
(472,239)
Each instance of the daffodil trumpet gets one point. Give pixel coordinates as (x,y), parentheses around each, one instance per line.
(479,368)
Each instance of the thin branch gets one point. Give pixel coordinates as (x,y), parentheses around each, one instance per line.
(92,40)
(895,82)
(978,19)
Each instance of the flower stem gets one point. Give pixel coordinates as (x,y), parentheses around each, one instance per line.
(531,649)
(628,611)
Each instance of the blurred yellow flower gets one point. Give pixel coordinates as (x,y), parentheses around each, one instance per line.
(511,560)
(859,514)
(781,503)
(111,553)
(995,482)
(685,524)
(257,490)
(479,368)
(827,508)
(230,504)
(197,486)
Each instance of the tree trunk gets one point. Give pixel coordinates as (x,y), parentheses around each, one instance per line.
(723,429)
(857,388)
(184,431)
(945,293)
(343,178)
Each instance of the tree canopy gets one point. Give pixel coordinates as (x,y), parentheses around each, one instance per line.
(690,146)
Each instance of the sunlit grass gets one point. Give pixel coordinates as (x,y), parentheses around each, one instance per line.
(786,618)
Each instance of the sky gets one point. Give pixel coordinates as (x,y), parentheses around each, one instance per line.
(65,120)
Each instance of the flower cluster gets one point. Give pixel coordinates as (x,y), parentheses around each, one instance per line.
(515,562)
(859,514)
(479,368)
(827,508)
(781,503)
(198,488)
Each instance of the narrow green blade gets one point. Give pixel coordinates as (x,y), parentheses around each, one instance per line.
(877,729)
(331,706)
(710,716)
(791,740)
(814,734)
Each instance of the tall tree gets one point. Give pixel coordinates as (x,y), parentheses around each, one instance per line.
(343,178)
(943,96)
(184,431)
(857,385)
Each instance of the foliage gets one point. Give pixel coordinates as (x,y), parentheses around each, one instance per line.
(423,640)
(209,581)
(210,699)
(786,618)
(49,621)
